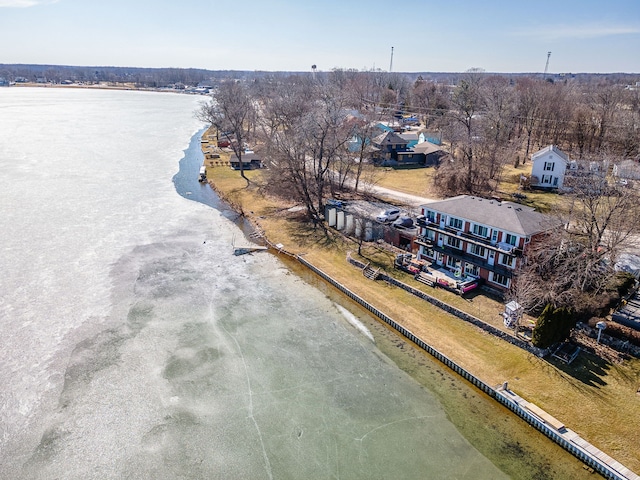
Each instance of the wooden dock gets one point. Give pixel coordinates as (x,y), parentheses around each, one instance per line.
(569,439)
(244,250)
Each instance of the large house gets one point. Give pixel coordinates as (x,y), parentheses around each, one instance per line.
(549,167)
(479,238)
(387,145)
(425,154)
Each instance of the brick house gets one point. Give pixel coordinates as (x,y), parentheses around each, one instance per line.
(479,238)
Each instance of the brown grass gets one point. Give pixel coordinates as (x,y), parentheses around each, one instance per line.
(593,397)
(414,181)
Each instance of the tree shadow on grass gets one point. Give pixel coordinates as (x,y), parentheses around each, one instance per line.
(375,255)
(587,368)
(306,233)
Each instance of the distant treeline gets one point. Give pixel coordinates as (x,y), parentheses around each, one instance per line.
(141,77)
(162,77)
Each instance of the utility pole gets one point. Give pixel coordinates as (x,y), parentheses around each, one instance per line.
(391,62)
(546,67)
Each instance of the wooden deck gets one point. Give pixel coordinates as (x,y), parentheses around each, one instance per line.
(544,416)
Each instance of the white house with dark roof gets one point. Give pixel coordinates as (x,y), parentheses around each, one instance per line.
(548,168)
(479,237)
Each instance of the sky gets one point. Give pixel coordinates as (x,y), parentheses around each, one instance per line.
(504,36)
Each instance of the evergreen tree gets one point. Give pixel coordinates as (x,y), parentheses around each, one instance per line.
(553,325)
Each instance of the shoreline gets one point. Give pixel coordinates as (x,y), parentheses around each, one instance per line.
(101,86)
(552,428)
(261,223)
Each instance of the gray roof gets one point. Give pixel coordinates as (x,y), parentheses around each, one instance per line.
(409,136)
(389,138)
(551,148)
(427,148)
(509,216)
(247,157)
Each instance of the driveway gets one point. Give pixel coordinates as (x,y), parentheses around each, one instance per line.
(405,198)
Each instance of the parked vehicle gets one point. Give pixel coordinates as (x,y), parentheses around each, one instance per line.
(388,215)
(403,222)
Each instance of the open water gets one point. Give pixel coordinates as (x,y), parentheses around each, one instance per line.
(135,345)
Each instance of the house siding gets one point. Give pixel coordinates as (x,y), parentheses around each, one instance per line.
(479,249)
(548,168)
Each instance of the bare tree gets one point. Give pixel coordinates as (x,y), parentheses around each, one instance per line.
(605,217)
(574,267)
(603,101)
(364,130)
(305,144)
(467,102)
(499,116)
(232,113)
(431,100)
(582,130)
(529,108)
(555,111)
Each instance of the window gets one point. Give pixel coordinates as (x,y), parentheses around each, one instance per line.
(428,252)
(499,279)
(477,250)
(555,181)
(455,223)
(471,269)
(480,231)
(511,239)
(453,263)
(546,179)
(507,260)
(548,166)
(430,215)
(453,242)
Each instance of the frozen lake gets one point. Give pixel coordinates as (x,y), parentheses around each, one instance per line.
(135,345)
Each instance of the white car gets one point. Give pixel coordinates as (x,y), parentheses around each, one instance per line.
(388,215)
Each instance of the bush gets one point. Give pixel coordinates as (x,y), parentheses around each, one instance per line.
(623,332)
(622,283)
(553,325)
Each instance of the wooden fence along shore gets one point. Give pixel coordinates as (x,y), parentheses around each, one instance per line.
(533,415)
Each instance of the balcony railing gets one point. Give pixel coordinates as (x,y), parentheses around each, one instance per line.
(472,238)
(479,261)
(427,242)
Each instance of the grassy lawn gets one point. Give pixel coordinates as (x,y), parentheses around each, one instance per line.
(595,398)
(419,181)
(415,181)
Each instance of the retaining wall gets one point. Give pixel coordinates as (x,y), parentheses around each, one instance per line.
(456,312)
(589,459)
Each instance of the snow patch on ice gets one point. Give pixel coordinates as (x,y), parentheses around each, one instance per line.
(351,318)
